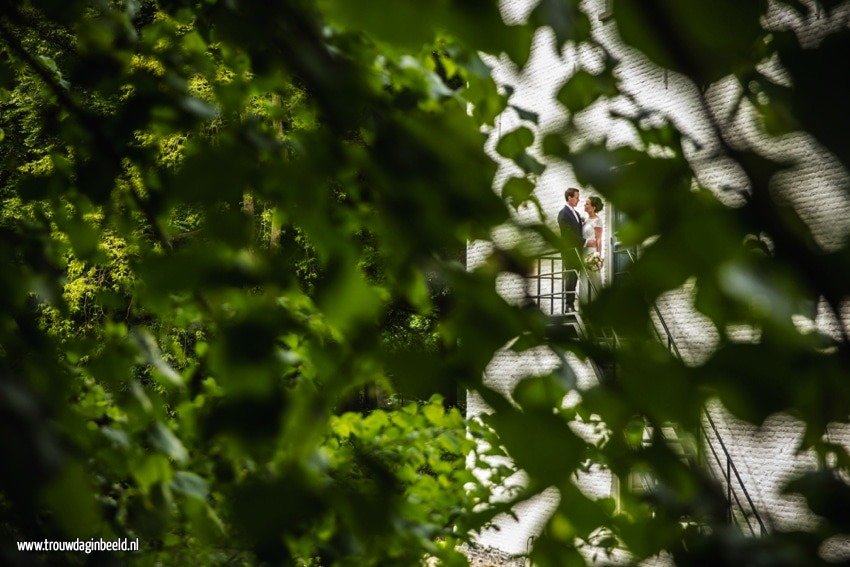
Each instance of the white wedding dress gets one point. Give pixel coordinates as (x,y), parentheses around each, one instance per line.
(589,289)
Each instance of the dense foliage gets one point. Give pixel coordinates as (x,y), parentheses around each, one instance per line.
(225,223)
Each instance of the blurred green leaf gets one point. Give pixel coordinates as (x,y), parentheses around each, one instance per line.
(809,70)
(150,352)
(71,499)
(827,496)
(164,440)
(152,470)
(524,114)
(556,451)
(514,143)
(517,190)
(190,484)
(583,89)
(565,17)
(278,199)
(686,37)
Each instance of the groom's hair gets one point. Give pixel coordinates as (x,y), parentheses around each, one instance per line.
(570,192)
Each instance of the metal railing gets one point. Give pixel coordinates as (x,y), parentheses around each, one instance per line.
(549,284)
(548,290)
(737,495)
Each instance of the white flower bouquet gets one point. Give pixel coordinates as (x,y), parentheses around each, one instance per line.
(593,262)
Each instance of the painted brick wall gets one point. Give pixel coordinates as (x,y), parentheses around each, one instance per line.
(817,186)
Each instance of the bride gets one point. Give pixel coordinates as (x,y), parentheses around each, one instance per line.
(591,233)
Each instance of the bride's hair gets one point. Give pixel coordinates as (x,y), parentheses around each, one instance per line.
(596,203)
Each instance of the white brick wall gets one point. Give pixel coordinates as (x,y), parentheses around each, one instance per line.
(817,187)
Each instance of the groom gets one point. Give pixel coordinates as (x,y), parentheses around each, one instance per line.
(570,223)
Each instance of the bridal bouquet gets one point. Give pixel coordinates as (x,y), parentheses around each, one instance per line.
(593,262)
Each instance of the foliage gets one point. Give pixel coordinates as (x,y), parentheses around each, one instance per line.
(207,270)
(222,220)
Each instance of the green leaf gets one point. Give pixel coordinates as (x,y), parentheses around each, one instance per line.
(83,236)
(810,70)
(539,393)
(206,523)
(164,440)
(517,190)
(827,495)
(553,145)
(705,41)
(529,164)
(210,175)
(349,300)
(8,75)
(149,350)
(153,469)
(483,94)
(524,114)
(70,498)
(190,484)
(514,143)
(583,89)
(565,17)
(434,413)
(411,24)
(36,187)
(541,443)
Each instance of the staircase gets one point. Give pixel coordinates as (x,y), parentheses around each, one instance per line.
(547,288)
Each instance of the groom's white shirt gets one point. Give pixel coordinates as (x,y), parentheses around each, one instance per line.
(579,217)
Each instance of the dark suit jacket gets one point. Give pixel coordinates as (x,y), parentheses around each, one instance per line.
(570,227)
(571,232)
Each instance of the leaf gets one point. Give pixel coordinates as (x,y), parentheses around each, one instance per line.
(553,145)
(539,393)
(810,70)
(209,175)
(514,143)
(71,499)
(523,114)
(827,495)
(149,350)
(705,41)
(198,108)
(517,190)
(416,372)
(583,89)
(487,102)
(83,236)
(410,23)
(164,440)
(434,413)
(152,470)
(96,178)
(541,444)
(8,76)
(190,484)
(62,10)
(249,418)
(566,19)
(347,299)
(205,522)
(529,164)
(118,437)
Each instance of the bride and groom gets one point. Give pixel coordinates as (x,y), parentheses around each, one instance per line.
(585,235)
